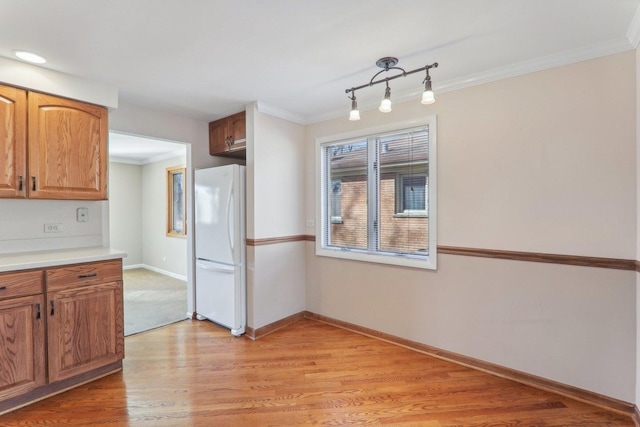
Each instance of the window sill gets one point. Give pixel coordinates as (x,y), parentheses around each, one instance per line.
(411,215)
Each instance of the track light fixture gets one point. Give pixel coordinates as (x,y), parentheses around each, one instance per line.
(389,63)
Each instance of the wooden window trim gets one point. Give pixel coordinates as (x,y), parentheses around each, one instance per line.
(171,231)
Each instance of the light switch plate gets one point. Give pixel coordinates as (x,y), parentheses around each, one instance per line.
(82,214)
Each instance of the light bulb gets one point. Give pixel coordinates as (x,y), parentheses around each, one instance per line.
(354,114)
(385,104)
(427,97)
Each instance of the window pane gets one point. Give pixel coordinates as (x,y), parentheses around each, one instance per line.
(347,194)
(178,203)
(404,170)
(413,193)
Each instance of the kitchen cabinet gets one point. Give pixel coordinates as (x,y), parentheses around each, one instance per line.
(85,327)
(59,327)
(13,142)
(55,148)
(228,136)
(67,146)
(22,333)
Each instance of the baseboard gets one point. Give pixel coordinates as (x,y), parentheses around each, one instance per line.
(572,392)
(157,270)
(255,334)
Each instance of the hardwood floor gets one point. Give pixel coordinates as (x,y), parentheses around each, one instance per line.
(195,373)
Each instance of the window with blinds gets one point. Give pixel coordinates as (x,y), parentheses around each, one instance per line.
(378,197)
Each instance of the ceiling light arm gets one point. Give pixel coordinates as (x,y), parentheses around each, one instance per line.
(387,79)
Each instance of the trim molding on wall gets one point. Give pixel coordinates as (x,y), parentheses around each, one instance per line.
(255,334)
(275,240)
(490,368)
(157,270)
(584,261)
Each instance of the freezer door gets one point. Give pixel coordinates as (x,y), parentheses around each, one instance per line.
(216,211)
(219,295)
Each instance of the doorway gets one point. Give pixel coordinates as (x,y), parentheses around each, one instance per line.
(155,269)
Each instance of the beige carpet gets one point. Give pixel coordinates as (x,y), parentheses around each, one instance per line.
(152,300)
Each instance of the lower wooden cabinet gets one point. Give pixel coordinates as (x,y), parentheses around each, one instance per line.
(58,327)
(22,345)
(84,329)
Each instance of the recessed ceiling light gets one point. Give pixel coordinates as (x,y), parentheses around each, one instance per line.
(30,57)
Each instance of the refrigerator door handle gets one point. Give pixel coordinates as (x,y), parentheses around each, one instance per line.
(229,226)
(220,269)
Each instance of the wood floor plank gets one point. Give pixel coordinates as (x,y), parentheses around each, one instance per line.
(195,373)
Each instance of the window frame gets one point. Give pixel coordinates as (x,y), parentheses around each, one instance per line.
(323,220)
(171,172)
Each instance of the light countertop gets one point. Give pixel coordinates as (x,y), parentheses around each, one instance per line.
(28,260)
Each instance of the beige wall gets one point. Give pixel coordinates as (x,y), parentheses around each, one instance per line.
(543,162)
(275,208)
(637,401)
(125,210)
(160,251)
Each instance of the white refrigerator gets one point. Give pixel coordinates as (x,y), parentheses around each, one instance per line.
(219,231)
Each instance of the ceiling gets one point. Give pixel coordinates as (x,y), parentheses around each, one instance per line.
(140,151)
(206,59)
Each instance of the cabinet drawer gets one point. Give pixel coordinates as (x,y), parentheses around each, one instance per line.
(20,284)
(83,275)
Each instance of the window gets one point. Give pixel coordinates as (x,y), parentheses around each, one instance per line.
(176,206)
(377,197)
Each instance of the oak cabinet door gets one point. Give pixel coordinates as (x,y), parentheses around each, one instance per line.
(13,142)
(22,348)
(67,148)
(238,131)
(218,137)
(85,329)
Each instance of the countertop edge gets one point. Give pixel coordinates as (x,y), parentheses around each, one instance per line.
(31,260)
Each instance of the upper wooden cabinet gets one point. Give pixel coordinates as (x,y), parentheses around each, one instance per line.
(13,142)
(228,136)
(54,148)
(67,149)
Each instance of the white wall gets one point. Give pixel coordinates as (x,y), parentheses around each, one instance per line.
(543,162)
(125,210)
(275,208)
(22,225)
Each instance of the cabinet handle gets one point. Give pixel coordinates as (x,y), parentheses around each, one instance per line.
(37,310)
(86,276)
(33,178)
(20,183)
(53,308)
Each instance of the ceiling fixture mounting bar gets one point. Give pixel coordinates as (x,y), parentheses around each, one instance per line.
(387,64)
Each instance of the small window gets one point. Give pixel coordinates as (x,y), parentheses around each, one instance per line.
(378,197)
(412,193)
(336,201)
(176,206)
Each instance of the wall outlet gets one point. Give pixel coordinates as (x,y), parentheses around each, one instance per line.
(53,228)
(310,223)
(82,214)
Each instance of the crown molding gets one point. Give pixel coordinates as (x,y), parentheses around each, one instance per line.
(567,57)
(633,33)
(280,113)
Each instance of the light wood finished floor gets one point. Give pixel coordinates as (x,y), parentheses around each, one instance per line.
(195,373)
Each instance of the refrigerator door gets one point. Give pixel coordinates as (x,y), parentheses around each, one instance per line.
(219,300)
(216,208)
